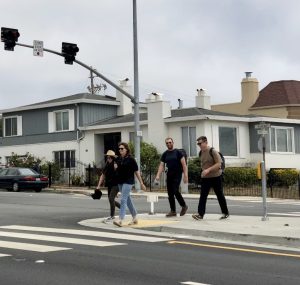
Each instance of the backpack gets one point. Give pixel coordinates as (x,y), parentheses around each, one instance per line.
(222,158)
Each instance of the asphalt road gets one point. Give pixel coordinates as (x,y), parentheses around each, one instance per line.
(56,250)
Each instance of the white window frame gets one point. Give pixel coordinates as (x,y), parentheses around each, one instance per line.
(64,158)
(292,139)
(190,141)
(237,140)
(19,126)
(52,121)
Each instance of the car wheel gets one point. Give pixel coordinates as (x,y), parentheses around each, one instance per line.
(15,187)
(38,190)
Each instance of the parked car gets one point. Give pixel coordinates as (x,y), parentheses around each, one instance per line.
(18,178)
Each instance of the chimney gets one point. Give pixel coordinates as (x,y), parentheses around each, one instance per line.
(202,99)
(125,103)
(249,90)
(157,110)
(180,104)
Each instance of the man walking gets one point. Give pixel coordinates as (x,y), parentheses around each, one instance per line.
(173,162)
(210,178)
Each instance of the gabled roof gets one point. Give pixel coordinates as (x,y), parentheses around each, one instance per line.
(67,100)
(278,93)
(78,96)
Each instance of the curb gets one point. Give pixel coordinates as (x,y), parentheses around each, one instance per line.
(238,237)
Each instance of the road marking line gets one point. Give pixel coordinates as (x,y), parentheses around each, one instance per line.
(3,255)
(193,283)
(235,248)
(291,214)
(31,246)
(88,233)
(60,239)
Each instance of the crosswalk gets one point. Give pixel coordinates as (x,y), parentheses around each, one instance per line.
(269,200)
(16,237)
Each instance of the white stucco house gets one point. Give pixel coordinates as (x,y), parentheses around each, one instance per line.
(79,129)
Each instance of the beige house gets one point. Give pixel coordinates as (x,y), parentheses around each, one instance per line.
(279,99)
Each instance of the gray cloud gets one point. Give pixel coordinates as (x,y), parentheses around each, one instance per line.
(183,45)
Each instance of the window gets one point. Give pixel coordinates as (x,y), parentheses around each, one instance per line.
(59,121)
(282,139)
(65,158)
(62,121)
(13,126)
(228,141)
(189,140)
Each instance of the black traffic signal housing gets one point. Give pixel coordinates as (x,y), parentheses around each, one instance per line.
(69,52)
(9,37)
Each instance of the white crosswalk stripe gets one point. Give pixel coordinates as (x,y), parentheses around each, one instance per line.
(3,255)
(88,233)
(269,200)
(30,246)
(22,233)
(59,239)
(290,214)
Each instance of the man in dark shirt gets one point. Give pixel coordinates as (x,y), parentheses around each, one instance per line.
(173,163)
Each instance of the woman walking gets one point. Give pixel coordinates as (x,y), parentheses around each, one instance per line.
(109,176)
(127,167)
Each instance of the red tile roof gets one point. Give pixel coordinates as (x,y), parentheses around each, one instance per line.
(283,92)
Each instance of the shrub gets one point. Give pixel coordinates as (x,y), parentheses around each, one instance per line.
(194,170)
(240,176)
(150,159)
(283,177)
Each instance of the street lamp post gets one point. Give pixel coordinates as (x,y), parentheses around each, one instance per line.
(137,137)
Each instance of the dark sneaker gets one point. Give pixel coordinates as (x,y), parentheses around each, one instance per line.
(197,217)
(171,214)
(224,216)
(183,210)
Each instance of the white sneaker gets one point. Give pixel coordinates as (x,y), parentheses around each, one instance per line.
(118,223)
(108,220)
(133,222)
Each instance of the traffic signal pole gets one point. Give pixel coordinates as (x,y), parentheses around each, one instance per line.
(90,69)
(10,38)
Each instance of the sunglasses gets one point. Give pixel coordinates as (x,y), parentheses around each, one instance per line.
(168,142)
(109,157)
(121,148)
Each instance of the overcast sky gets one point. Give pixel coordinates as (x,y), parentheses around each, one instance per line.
(183,45)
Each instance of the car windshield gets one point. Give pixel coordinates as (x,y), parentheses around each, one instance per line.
(26,171)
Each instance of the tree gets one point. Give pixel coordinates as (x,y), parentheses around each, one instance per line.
(150,159)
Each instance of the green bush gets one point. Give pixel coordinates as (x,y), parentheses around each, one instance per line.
(194,170)
(76,180)
(27,160)
(240,176)
(55,170)
(283,177)
(233,176)
(150,159)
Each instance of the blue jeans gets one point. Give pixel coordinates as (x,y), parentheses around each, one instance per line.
(126,200)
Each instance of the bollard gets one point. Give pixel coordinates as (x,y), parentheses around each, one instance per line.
(152,199)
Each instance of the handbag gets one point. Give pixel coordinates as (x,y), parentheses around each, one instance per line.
(97,194)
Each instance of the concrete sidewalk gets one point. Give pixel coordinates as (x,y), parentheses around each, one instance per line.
(275,231)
